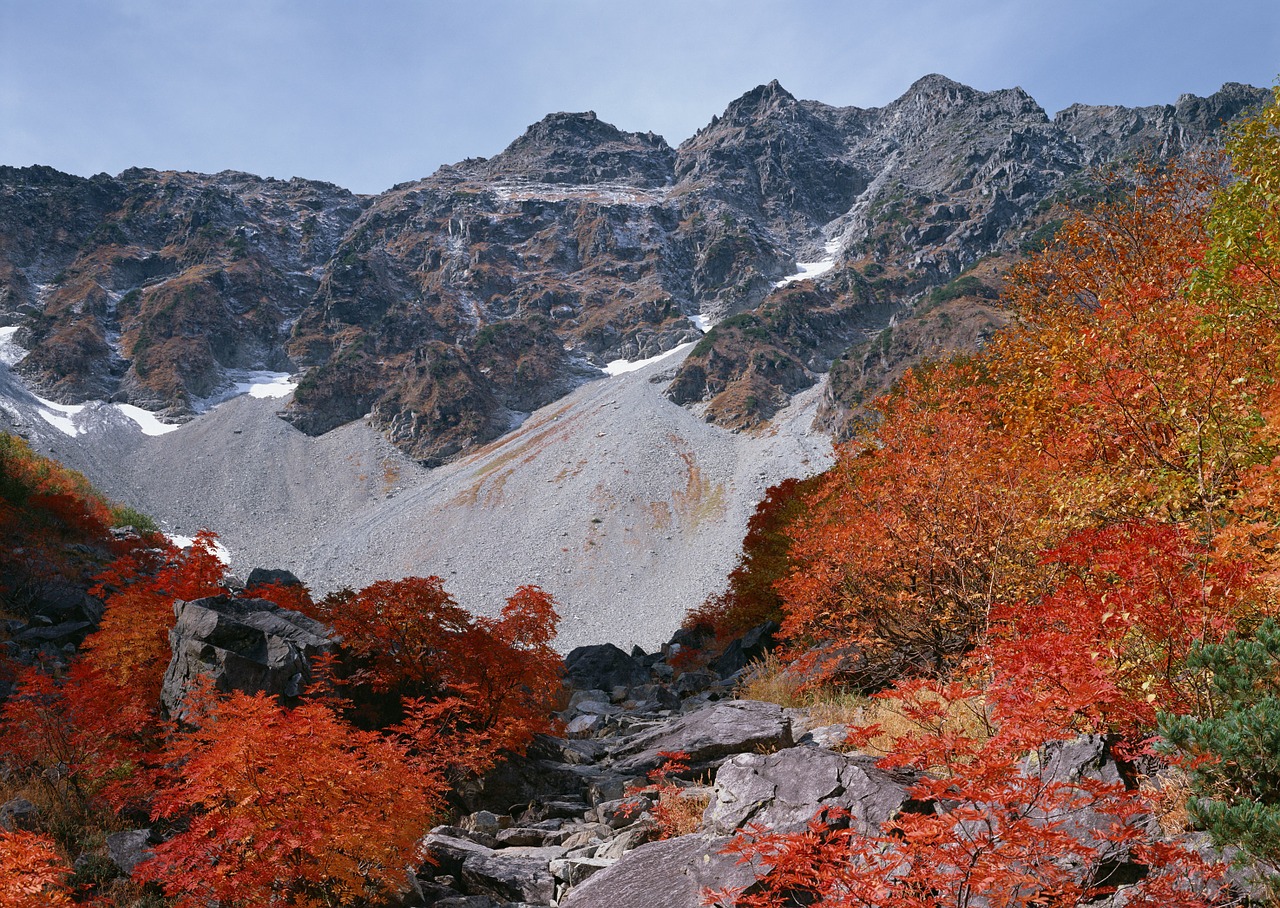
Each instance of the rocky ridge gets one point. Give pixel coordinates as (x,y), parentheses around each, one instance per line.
(448,308)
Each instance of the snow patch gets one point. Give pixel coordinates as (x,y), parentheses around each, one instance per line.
(622,366)
(259,383)
(813,269)
(702,322)
(61,416)
(185,542)
(10,350)
(146,420)
(269,384)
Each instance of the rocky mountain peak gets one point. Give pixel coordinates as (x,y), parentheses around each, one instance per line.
(581,148)
(934,89)
(761,101)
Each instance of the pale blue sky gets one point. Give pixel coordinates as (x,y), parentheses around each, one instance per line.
(367,93)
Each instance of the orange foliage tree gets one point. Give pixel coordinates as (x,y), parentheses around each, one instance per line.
(289,807)
(914,537)
(32,874)
(409,638)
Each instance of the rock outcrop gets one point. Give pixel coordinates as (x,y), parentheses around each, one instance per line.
(248,645)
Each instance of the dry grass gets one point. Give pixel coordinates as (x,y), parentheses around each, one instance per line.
(679,811)
(768,680)
(1169,793)
(965,717)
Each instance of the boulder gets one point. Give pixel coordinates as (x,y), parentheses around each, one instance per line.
(513,874)
(783,790)
(1086,758)
(585,724)
(129,849)
(694,682)
(575,870)
(58,634)
(278,576)
(18,813)
(672,873)
(707,735)
(748,648)
(603,667)
(517,782)
(249,645)
(444,854)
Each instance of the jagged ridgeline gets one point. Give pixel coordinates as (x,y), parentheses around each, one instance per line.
(450,306)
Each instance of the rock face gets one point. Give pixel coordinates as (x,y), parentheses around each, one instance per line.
(708,735)
(449,307)
(783,790)
(674,873)
(247,645)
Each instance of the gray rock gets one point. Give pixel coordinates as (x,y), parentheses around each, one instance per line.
(129,849)
(582,696)
(523,836)
(585,724)
(708,735)
(746,649)
(248,645)
(671,874)
(574,870)
(623,811)
(444,854)
(515,783)
(486,822)
(279,576)
(694,682)
(514,874)
(632,837)
(783,790)
(62,632)
(603,667)
(18,813)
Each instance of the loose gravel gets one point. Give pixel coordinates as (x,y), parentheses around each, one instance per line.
(628,509)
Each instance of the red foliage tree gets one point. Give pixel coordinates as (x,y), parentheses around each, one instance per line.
(409,638)
(32,874)
(289,807)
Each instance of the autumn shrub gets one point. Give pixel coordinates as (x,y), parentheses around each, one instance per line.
(32,873)
(750,597)
(409,638)
(54,527)
(293,807)
(677,808)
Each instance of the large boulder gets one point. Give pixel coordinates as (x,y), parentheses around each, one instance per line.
(707,735)
(248,645)
(603,667)
(782,791)
(513,874)
(673,873)
(752,645)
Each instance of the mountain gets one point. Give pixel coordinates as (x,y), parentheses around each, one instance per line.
(451,307)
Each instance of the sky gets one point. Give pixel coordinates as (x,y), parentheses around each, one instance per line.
(369,93)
